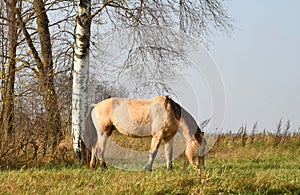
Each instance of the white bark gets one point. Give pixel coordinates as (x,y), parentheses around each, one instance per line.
(80,72)
(79,99)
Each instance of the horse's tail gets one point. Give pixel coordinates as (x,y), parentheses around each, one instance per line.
(176,108)
(89,136)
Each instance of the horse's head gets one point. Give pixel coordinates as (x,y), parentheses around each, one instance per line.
(196,150)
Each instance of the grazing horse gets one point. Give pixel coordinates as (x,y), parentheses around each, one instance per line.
(160,118)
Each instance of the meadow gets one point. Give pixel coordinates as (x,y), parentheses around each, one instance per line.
(238,164)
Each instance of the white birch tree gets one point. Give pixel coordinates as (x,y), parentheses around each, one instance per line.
(80,70)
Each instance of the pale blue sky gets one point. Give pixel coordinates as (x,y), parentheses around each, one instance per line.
(260,63)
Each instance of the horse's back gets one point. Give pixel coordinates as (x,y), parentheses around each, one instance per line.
(133,117)
(136,117)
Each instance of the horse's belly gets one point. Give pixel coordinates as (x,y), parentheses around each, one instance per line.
(135,130)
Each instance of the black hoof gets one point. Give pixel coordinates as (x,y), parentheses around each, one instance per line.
(170,168)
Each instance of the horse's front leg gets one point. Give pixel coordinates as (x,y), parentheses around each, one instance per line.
(156,139)
(202,153)
(169,153)
(201,162)
(192,154)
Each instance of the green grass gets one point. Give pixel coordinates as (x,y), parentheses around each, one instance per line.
(231,168)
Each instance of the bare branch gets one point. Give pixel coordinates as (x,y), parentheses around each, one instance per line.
(29,41)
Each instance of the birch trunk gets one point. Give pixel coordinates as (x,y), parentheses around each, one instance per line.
(80,72)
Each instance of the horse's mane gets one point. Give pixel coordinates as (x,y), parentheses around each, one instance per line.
(174,106)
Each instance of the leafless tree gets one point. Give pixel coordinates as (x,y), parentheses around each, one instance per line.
(36,67)
(44,71)
(7,115)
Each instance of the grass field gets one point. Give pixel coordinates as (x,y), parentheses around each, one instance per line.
(231,168)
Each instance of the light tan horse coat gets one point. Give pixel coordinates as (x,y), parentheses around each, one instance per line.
(160,118)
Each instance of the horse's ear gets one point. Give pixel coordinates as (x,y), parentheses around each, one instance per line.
(204,123)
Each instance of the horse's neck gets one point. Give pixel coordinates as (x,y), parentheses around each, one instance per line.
(185,131)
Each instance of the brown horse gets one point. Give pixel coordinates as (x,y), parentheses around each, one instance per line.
(160,118)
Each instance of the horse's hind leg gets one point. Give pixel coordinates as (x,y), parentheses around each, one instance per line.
(156,139)
(169,153)
(93,158)
(100,153)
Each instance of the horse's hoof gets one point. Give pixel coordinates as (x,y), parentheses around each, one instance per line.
(170,167)
(103,166)
(148,168)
